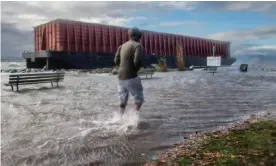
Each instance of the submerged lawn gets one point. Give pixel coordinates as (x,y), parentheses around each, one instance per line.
(253,145)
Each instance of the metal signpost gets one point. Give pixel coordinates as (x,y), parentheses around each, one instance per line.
(213,62)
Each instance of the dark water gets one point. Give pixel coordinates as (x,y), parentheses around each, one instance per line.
(72,125)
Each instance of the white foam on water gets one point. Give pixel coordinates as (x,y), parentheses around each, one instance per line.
(131,117)
(86,132)
(46,143)
(14,64)
(116,118)
(130,121)
(118,123)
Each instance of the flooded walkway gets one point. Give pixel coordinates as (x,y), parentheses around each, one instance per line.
(72,125)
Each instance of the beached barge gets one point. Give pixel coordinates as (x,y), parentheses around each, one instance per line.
(79,45)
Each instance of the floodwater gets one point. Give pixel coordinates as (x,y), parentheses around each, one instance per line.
(74,124)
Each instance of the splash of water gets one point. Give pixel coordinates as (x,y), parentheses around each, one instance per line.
(129,120)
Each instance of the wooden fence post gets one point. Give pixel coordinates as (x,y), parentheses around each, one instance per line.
(180,63)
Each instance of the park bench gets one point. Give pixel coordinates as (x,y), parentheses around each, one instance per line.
(146,72)
(34,78)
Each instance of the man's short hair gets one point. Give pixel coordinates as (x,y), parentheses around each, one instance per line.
(134,33)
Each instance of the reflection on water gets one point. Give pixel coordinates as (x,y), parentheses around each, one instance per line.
(74,125)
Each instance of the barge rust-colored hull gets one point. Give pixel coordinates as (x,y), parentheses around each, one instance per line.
(76,36)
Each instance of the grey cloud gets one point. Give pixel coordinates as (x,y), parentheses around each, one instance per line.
(261,56)
(18,12)
(18,18)
(14,41)
(257,50)
(177,23)
(256,55)
(104,22)
(240,38)
(175,5)
(76,10)
(261,6)
(171,24)
(263,32)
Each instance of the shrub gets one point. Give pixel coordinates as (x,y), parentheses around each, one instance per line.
(162,65)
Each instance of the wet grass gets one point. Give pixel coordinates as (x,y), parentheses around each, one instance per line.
(255,146)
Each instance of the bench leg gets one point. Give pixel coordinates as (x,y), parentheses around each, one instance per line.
(12,87)
(17,88)
(52,84)
(57,84)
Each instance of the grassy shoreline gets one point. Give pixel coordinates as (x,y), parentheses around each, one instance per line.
(250,142)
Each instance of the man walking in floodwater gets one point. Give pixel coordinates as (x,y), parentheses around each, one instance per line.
(129,59)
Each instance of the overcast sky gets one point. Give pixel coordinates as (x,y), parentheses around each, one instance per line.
(250,26)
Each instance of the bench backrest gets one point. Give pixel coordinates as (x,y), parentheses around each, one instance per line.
(145,71)
(29,78)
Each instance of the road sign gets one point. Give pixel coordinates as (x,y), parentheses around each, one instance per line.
(214,61)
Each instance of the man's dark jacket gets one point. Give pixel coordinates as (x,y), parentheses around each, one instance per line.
(129,59)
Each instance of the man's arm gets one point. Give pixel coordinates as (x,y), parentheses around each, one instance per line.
(138,56)
(117,56)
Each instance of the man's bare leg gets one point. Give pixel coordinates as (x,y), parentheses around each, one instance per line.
(137,107)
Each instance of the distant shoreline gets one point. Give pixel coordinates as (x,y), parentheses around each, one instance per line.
(12,60)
